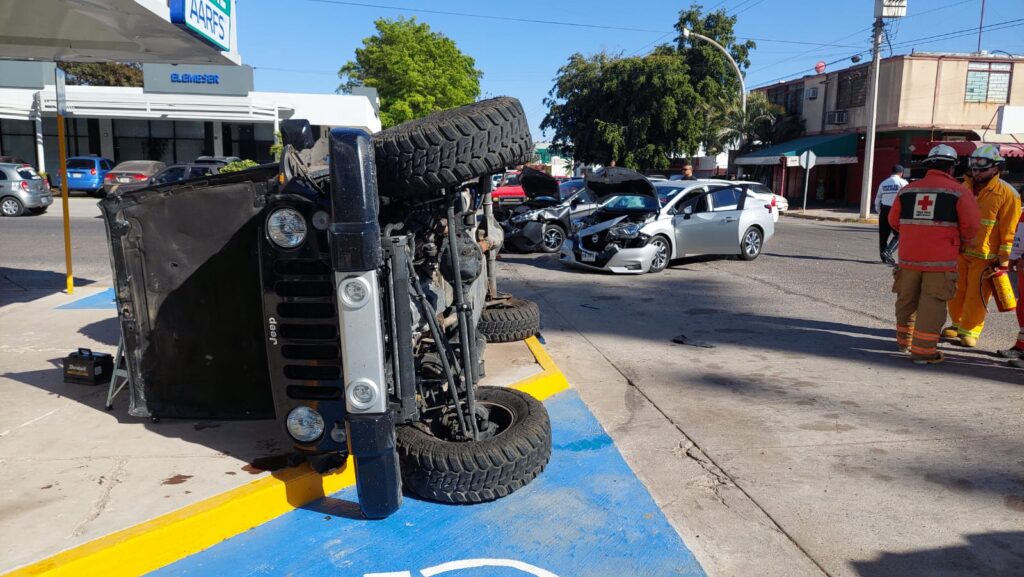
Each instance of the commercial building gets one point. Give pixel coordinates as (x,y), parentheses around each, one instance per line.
(923,98)
(181,112)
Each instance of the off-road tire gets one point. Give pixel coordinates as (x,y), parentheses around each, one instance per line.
(478,471)
(509,320)
(451,147)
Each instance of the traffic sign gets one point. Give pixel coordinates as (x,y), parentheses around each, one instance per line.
(807,159)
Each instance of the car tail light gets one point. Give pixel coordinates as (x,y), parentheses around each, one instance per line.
(138,176)
(109,177)
(773,201)
(93,172)
(24,185)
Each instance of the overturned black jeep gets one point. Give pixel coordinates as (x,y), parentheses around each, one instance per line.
(349,291)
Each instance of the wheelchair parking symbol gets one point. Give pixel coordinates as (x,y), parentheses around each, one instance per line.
(526,568)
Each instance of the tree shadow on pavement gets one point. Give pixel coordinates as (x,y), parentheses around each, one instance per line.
(989,554)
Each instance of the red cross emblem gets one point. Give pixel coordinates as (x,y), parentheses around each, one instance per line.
(925,202)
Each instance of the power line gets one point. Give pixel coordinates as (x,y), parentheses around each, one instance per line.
(486,16)
(735,14)
(917,41)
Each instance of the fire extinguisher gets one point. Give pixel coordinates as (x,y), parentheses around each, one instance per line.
(1002,288)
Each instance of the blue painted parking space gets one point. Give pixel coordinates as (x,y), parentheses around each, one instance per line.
(585,515)
(102,300)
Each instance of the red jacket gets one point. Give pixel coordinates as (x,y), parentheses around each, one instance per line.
(934,216)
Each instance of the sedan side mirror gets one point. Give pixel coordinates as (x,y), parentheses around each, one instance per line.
(688,210)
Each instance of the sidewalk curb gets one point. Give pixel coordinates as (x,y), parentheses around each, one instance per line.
(173,536)
(858,220)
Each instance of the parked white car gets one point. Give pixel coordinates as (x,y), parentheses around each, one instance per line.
(640,226)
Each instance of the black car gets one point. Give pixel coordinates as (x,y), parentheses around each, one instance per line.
(171,174)
(543,220)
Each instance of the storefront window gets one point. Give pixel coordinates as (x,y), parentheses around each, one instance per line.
(82,136)
(17,138)
(249,140)
(165,140)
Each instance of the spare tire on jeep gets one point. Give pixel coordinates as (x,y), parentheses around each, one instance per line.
(451,147)
(514,447)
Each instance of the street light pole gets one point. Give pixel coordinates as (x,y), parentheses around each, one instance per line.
(743,89)
(869,142)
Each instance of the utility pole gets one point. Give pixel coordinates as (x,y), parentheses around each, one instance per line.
(981,24)
(883,9)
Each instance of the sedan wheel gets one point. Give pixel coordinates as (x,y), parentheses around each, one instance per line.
(554,236)
(11,206)
(751,245)
(661,253)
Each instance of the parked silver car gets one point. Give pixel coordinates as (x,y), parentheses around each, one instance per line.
(21,190)
(641,226)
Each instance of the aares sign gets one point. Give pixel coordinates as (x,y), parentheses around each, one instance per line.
(210,20)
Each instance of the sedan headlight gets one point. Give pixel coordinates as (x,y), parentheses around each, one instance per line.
(624,230)
(304,424)
(521,218)
(286,227)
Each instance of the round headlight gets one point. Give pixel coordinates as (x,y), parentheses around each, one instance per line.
(286,227)
(305,424)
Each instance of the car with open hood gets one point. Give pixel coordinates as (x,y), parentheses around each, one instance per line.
(541,223)
(640,226)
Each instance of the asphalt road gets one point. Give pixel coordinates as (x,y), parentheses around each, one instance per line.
(818,440)
(32,262)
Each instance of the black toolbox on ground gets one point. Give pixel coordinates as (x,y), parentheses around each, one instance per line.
(88,368)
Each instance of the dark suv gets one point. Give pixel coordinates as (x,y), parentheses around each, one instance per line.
(349,291)
(170,175)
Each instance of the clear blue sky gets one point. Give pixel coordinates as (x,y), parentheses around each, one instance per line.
(298,45)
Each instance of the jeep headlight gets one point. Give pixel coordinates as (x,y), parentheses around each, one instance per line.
(624,230)
(304,424)
(286,227)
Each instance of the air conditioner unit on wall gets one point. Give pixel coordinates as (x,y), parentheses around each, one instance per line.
(812,93)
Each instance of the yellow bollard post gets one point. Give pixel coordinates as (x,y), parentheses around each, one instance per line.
(63,153)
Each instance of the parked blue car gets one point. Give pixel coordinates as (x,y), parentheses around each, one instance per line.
(86,173)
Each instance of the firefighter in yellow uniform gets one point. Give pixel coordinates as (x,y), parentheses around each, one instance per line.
(999,206)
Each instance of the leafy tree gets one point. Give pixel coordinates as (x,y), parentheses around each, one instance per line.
(640,111)
(634,112)
(416,71)
(714,78)
(102,73)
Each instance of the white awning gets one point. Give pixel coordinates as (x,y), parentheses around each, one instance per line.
(93,101)
(102,31)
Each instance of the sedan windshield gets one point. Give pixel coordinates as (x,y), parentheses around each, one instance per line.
(631,203)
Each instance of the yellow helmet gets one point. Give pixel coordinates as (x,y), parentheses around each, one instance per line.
(986,156)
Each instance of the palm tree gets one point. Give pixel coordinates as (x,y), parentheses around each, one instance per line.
(733,127)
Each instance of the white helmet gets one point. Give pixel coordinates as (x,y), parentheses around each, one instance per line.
(986,156)
(941,153)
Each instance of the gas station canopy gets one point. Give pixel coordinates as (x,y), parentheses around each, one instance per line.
(168,31)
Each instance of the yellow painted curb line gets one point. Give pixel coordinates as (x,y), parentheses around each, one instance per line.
(171,537)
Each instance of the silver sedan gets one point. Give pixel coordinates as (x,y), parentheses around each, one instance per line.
(690,218)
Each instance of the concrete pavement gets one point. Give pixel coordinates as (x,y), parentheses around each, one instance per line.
(800,441)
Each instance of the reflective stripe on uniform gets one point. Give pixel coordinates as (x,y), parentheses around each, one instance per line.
(966,333)
(988,222)
(928,222)
(984,255)
(922,351)
(926,336)
(946,263)
(903,329)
